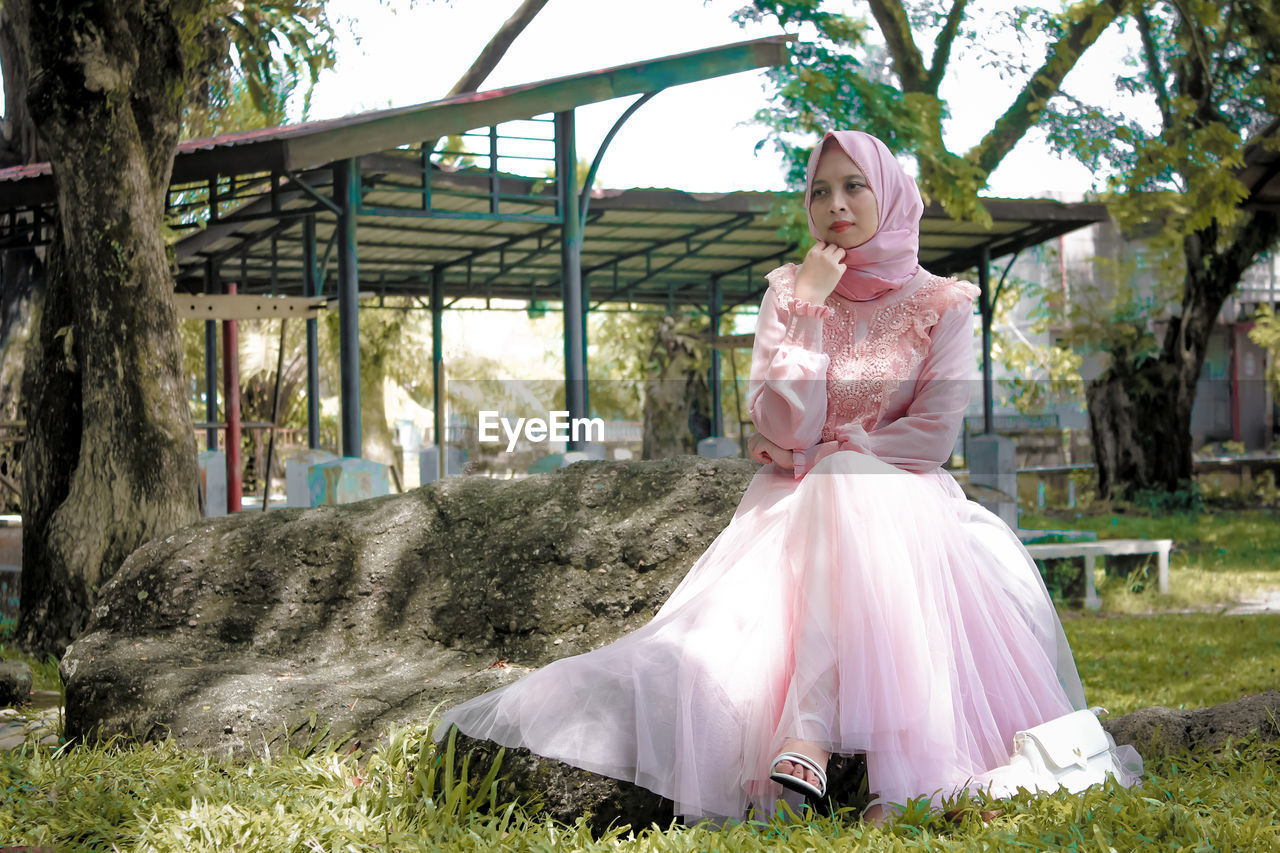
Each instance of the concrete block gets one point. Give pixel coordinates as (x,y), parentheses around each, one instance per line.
(347,480)
(296,470)
(717,447)
(213,482)
(993,463)
(429,463)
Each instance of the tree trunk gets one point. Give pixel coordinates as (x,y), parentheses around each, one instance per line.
(20,269)
(676,394)
(1140,414)
(20,290)
(378,439)
(1140,420)
(110,456)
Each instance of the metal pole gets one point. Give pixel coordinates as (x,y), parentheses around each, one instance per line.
(311,286)
(713,309)
(437,364)
(346,184)
(575,345)
(984,286)
(586,337)
(275,419)
(211,361)
(231,393)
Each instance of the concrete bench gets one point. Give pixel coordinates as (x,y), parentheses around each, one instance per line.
(1107,547)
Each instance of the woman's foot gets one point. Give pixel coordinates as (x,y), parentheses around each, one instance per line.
(810,750)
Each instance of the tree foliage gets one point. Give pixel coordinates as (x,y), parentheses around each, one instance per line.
(1266,334)
(1037,376)
(843,77)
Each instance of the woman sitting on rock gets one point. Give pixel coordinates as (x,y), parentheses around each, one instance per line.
(857,602)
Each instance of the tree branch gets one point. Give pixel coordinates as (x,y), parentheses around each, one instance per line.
(1192,71)
(896,29)
(1155,73)
(1030,104)
(492,54)
(942,48)
(1196,37)
(497,47)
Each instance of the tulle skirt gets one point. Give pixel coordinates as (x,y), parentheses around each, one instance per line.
(864,608)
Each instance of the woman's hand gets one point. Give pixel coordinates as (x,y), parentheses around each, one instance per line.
(765,451)
(820,272)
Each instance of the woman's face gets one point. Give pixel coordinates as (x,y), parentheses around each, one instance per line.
(843,207)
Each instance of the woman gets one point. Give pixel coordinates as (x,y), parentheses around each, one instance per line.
(857,602)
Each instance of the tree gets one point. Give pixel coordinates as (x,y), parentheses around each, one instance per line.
(677,395)
(109,459)
(1210,68)
(841,79)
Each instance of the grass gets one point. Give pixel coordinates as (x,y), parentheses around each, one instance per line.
(1182,660)
(157,797)
(1218,558)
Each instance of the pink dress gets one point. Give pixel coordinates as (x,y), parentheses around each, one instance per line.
(861,601)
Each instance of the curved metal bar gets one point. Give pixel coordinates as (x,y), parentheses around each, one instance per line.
(584,199)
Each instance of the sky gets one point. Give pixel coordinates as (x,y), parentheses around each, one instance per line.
(699,137)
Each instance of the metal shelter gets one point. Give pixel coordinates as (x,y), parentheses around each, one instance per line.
(376,204)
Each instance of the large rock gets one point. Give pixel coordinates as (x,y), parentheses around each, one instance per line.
(1159,730)
(233,630)
(15,683)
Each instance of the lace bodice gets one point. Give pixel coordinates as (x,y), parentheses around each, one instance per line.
(873,346)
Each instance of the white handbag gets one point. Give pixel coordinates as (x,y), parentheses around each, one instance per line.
(1071,752)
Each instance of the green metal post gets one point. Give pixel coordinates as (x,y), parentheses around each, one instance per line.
(211,360)
(713,308)
(984,296)
(346,186)
(231,393)
(311,287)
(575,345)
(437,358)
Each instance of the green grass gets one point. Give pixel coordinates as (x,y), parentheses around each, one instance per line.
(157,797)
(1218,558)
(1182,660)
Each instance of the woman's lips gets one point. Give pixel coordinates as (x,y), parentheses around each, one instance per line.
(841,225)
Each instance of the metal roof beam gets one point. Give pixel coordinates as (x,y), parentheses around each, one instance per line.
(388,129)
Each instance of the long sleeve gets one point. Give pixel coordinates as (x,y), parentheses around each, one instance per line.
(923,438)
(787,396)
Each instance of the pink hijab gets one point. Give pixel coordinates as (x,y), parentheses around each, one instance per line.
(889,259)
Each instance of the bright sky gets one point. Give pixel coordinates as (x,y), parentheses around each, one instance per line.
(700,136)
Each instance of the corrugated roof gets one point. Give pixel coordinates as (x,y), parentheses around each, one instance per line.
(656,246)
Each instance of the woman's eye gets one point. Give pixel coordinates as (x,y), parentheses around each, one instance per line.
(854,185)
